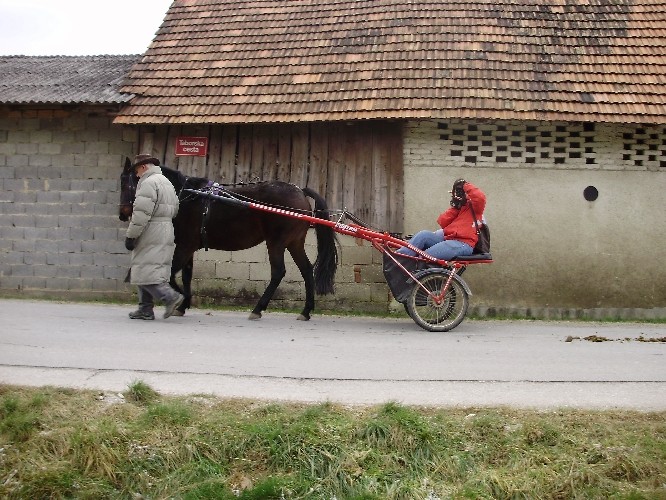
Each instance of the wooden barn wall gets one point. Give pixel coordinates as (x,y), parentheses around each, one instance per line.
(355,166)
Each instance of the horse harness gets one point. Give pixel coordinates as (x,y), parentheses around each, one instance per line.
(216,189)
(211,187)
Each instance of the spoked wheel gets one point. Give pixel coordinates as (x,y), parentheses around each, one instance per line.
(435,313)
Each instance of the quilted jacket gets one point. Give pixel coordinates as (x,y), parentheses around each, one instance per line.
(155,205)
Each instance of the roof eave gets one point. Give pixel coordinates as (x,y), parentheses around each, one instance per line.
(541,116)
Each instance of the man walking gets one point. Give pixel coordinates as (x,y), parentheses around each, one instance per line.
(150,237)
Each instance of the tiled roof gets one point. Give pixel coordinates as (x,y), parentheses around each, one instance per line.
(225,61)
(63,79)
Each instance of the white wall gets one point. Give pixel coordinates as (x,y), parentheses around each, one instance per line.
(552,247)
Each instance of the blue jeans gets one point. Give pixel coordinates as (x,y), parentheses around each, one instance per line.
(434,244)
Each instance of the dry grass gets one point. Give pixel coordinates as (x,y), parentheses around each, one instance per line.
(57,443)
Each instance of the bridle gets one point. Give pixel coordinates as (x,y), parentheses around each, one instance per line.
(128,183)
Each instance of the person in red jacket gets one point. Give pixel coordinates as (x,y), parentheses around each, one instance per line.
(458,234)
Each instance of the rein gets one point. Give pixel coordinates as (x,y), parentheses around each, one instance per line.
(218,189)
(131,187)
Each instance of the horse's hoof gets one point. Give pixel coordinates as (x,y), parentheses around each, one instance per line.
(301,317)
(254,316)
(178,313)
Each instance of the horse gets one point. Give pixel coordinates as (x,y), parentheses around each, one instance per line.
(205,223)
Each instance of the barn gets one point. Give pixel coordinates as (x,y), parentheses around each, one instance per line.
(556,110)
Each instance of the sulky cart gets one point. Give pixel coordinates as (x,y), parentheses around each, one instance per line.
(431,290)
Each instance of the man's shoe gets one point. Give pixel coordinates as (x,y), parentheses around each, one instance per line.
(173,305)
(141,315)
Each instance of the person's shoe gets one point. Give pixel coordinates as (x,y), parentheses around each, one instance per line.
(173,305)
(141,315)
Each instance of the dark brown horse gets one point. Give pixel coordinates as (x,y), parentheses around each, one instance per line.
(205,223)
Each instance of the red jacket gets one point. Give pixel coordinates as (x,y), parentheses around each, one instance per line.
(458,224)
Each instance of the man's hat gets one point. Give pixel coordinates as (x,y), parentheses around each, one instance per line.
(143,159)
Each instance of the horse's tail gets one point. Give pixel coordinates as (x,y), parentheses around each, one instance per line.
(327,251)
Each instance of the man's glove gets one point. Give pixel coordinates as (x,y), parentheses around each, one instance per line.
(130,243)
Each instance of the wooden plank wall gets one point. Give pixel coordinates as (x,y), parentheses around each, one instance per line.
(356,166)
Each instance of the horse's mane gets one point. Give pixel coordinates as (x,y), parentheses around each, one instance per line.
(178,179)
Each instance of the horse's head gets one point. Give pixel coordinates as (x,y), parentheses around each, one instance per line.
(128,182)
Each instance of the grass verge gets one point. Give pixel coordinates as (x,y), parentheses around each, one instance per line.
(61,443)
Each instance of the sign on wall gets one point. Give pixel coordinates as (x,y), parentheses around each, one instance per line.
(191,146)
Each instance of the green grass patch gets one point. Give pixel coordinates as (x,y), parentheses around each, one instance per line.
(58,443)
(140,392)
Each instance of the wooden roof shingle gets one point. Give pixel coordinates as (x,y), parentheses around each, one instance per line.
(230,61)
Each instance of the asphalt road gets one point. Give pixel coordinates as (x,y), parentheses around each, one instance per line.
(351,360)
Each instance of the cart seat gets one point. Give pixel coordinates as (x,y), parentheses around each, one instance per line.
(475,256)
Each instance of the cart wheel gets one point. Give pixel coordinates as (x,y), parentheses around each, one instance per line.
(434,317)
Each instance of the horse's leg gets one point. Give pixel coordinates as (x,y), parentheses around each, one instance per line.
(181,263)
(278,270)
(305,267)
(186,276)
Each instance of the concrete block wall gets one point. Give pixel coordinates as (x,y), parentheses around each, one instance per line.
(536,145)
(60,234)
(59,227)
